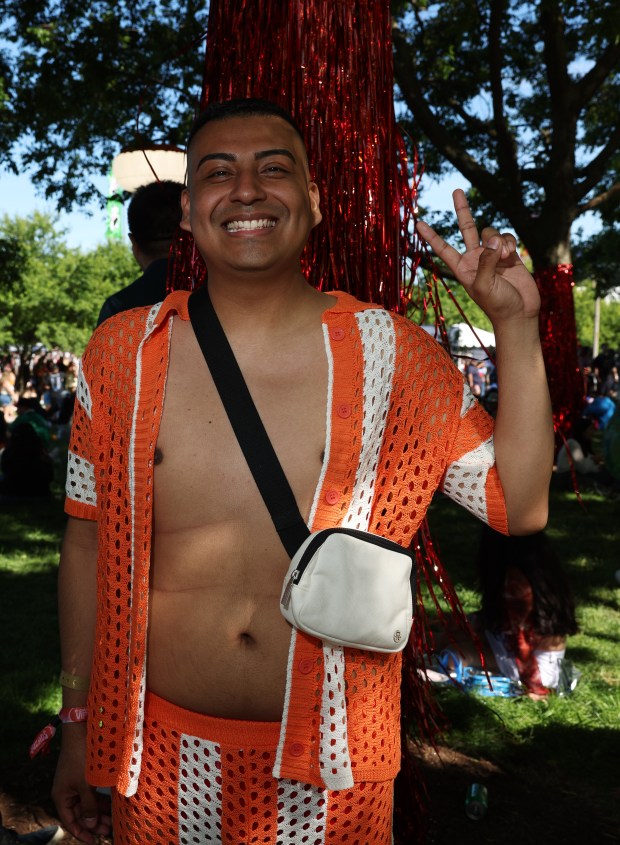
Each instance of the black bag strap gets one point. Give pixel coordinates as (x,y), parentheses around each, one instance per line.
(246,422)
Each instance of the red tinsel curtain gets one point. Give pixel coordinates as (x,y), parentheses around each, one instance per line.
(330,65)
(559,343)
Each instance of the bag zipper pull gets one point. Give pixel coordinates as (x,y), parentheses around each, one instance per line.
(286,596)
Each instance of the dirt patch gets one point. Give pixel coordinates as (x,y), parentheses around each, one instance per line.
(525,806)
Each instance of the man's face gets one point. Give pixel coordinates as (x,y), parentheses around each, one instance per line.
(250,203)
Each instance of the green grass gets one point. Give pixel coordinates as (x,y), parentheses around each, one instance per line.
(29,657)
(578,736)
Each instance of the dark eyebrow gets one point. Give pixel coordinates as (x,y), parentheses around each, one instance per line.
(257,156)
(211,156)
(267,153)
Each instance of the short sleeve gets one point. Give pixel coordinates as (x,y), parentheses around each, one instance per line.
(471,477)
(80,489)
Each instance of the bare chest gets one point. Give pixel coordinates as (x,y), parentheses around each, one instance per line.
(201,476)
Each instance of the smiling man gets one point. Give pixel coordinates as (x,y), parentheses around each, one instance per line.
(209,716)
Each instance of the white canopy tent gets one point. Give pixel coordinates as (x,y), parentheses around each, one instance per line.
(463,336)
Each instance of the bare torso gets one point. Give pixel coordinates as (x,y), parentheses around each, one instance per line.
(218,643)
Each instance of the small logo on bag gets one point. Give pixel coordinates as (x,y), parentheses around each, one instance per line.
(397,636)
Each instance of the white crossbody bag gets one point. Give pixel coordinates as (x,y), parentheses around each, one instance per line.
(346,587)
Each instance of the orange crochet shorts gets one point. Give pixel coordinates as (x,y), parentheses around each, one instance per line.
(206,780)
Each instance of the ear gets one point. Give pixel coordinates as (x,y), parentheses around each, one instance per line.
(315,203)
(185,207)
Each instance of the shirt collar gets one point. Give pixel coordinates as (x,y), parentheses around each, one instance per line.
(176,304)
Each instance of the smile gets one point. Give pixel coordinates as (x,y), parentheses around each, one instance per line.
(248,225)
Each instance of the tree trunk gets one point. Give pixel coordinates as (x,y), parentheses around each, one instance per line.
(559,343)
(547,239)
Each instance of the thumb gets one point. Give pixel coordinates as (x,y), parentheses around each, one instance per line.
(89,808)
(487,264)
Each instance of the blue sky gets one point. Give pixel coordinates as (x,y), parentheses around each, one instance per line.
(18,197)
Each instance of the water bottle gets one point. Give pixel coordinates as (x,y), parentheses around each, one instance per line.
(476,801)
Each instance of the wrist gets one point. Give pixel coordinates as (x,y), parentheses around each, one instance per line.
(519,333)
(79,683)
(73,715)
(67,716)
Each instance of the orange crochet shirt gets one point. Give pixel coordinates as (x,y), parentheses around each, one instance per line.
(401,424)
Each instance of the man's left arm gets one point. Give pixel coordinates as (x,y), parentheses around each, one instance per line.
(496,279)
(523,434)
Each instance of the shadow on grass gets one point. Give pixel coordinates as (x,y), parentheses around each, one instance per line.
(546,781)
(513,742)
(30,536)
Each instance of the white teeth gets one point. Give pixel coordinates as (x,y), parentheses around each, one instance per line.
(237,225)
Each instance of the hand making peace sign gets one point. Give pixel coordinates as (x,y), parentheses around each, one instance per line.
(490,269)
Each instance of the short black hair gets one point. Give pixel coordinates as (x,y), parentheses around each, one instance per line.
(154,214)
(243,107)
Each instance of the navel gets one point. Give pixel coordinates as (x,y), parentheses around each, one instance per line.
(246,640)
(158,456)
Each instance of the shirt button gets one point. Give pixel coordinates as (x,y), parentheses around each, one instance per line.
(337,334)
(332,496)
(343,411)
(296,749)
(305,665)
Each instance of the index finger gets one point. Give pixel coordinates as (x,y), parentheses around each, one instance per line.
(466,222)
(441,249)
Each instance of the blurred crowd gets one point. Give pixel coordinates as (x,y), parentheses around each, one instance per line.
(37,396)
(590,455)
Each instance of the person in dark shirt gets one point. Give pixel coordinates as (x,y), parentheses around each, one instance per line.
(153,215)
(26,468)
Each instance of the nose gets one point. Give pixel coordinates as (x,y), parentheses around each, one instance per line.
(247,187)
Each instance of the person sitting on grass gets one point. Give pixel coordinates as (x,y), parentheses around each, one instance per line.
(527,612)
(26,468)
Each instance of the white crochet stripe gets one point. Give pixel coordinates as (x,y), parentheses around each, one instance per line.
(134,766)
(134,771)
(80,484)
(334,756)
(82,394)
(468,399)
(302,813)
(378,340)
(465,479)
(277,766)
(136,763)
(199,799)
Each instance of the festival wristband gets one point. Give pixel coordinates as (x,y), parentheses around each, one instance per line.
(73,714)
(67,715)
(76,682)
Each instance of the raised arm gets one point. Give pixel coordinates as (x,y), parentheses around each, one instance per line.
(496,279)
(81,810)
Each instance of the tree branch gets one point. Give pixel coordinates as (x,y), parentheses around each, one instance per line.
(556,58)
(563,113)
(506,146)
(474,124)
(596,202)
(594,170)
(445,141)
(586,88)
